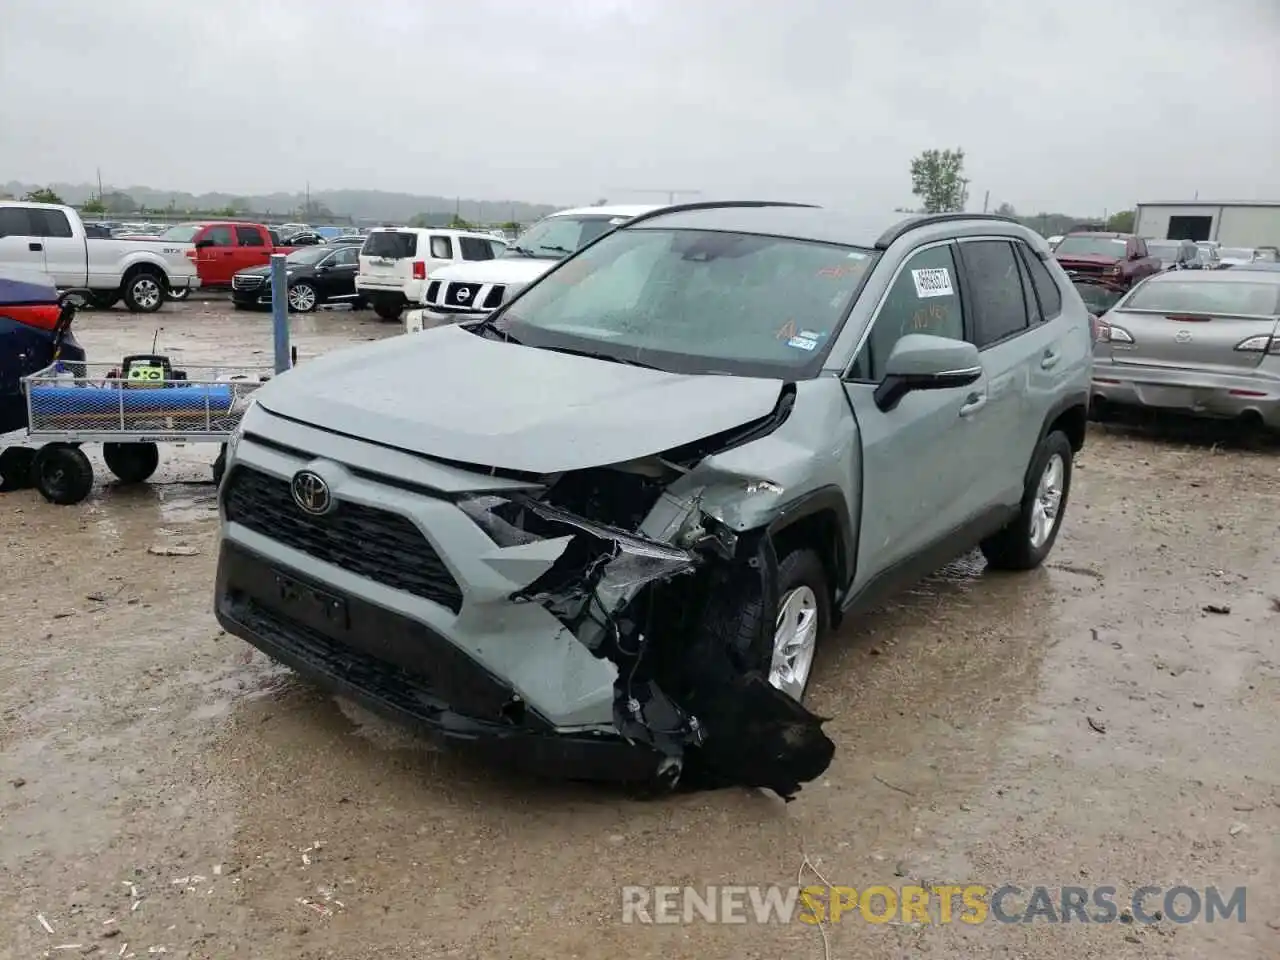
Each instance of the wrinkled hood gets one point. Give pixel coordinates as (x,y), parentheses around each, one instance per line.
(453,395)
(505,270)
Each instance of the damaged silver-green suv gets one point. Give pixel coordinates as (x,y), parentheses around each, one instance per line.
(601,531)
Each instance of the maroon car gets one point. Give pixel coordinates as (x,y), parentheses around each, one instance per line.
(1118,259)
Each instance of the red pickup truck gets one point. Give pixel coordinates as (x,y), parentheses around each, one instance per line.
(1117,260)
(223,247)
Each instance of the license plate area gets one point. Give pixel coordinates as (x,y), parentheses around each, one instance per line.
(1178,398)
(310,606)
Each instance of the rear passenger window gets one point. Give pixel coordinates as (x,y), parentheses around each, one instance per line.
(249,237)
(14,222)
(923,299)
(219,237)
(996,287)
(1028,294)
(50,223)
(1046,287)
(473,248)
(441,249)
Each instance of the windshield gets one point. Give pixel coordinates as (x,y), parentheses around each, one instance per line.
(182,233)
(1091,247)
(1098,298)
(693,301)
(1207,297)
(1165,251)
(393,244)
(308,255)
(556,237)
(1236,253)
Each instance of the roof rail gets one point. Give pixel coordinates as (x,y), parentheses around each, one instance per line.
(712,205)
(928,220)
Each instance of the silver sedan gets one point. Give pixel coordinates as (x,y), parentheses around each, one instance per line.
(1201,343)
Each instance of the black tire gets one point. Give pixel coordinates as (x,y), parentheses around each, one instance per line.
(62,473)
(220,466)
(1013,548)
(16,468)
(241,306)
(387,311)
(104,299)
(359,303)
(144,291)
(178,295)
(131,462)
(303,298)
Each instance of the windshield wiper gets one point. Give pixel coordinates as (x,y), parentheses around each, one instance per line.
(522,251)
(612,358)
(555,249)
(489,326)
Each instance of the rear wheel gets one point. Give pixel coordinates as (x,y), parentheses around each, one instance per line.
(303,298)
(1027,540)
(178,295)
(62,473)
(131,462)
(16,468)
(387,310)
(104,299)
(144,292)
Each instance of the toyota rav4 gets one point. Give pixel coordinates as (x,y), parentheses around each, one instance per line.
(604,529)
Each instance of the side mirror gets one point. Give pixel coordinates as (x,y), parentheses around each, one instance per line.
(920,361)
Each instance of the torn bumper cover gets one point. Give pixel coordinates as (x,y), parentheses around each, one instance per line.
(690,632)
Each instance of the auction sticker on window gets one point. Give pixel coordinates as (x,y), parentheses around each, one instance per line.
(933,282)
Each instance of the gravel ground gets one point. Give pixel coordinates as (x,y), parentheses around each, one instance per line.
(162,785)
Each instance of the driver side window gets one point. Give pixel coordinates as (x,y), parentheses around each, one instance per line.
(924,298)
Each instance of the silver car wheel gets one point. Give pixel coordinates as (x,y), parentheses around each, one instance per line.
(302,298)
(1046,507)
(180,294)
(146,293)
(795,637)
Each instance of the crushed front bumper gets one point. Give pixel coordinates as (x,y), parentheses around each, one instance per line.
(366,656)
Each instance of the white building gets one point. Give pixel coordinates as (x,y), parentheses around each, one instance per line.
(1253,223)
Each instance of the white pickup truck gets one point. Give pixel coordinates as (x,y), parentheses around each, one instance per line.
(50,239)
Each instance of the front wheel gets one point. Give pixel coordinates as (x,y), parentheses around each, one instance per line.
(303,298)
(131,462)
(1028,538)
(180,294)
(62,473)
(144,292)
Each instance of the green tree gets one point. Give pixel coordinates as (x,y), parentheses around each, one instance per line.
(937,178)
(457,223)
(42,195)
(1006,210)
(94,205)
(510,226)
(1122,221)
(116,202)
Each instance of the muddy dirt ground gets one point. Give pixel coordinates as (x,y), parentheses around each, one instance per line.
(164,786)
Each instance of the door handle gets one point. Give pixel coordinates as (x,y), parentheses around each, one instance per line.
(1050,359)
(35,247)
(972,404)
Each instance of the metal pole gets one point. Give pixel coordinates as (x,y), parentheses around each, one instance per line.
(280,311)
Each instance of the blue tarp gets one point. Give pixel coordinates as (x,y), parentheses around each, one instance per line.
(70,401)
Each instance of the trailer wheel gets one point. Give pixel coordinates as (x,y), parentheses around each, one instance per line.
(131,462)
(15,468)
(62,473)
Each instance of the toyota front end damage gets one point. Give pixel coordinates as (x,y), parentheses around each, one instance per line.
(686,615)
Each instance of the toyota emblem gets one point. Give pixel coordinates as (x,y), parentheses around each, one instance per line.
(463,294)
(311,493)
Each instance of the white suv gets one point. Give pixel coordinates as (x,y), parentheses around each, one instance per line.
(395,262)
(469,290)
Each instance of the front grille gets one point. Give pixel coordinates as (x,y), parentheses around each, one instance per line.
(494,299)
(377,544)
(246,283)
(1085,269)
(461,295)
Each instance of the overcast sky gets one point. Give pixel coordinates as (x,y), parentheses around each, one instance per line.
(1075,106)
